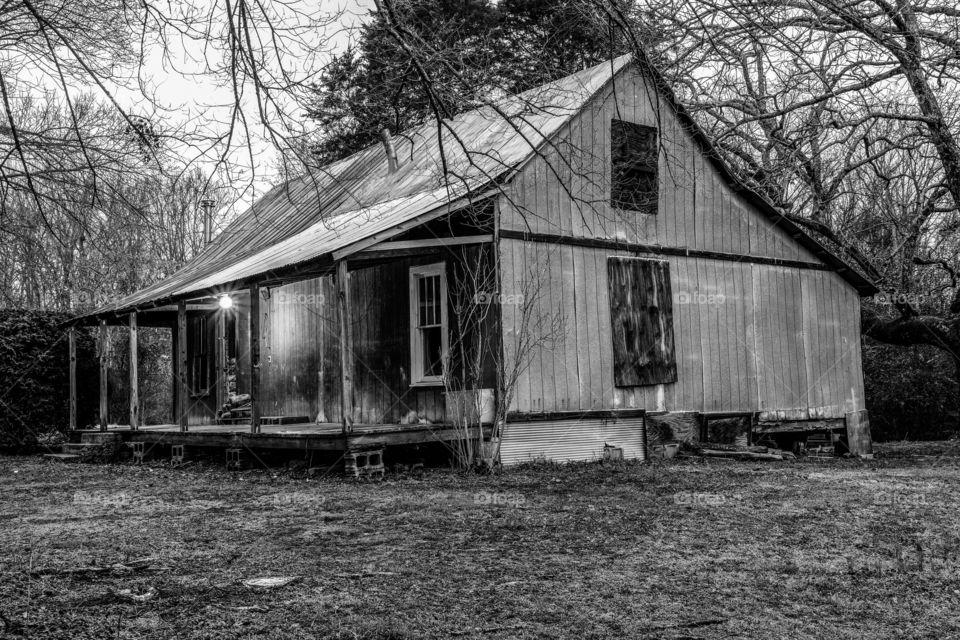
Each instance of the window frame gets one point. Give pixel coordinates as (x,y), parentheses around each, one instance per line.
(417,376)
(618,199)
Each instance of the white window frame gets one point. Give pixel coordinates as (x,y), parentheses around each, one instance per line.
(417,376)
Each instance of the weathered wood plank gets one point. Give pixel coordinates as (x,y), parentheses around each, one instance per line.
(220,375)
(678,426)
(789,426)
(346,346)
(104,373)
(255,362)
(183,386)
(641,315)
(542,384)
(134,377)
(858,433)
(72,338)
(572,325)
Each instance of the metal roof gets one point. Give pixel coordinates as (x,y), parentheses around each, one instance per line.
(329,209)
(333,207)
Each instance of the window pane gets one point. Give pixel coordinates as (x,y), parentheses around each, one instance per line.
(432,340)
(435,300)
(429,309)
(421,303)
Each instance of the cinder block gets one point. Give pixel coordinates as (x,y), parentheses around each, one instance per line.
(178,454)
(236,460)
(139,452)
(364,464)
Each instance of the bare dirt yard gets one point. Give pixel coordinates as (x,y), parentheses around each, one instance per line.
(680,549)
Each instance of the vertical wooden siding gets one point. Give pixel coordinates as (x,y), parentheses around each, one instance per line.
(566,189)
(300,348)
(748,337)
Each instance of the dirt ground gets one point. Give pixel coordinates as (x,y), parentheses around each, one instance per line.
(678,549)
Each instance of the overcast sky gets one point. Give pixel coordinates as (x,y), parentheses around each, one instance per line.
(202,102)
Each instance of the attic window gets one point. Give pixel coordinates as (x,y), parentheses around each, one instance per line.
(634,153)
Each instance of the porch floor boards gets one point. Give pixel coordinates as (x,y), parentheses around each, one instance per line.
(323,436)
(303,428)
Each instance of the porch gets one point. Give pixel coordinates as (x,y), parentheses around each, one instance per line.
(326,436)
(334,354)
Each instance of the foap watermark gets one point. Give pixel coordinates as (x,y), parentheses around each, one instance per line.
(499,499)
(93,298)
(109,499)
(502,299)
(898,498)
(698,297)
(898,298)
(113,500)
(300,299)
(293,498)
(694,499)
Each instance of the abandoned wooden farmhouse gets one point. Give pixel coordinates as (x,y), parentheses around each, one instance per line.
(570,269)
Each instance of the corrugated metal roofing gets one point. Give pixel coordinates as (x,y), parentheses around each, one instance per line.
(572,440)
(347,201)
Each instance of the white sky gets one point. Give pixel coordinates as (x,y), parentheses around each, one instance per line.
(199,101)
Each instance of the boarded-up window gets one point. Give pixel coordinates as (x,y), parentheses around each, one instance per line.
(641,314)
(634,160)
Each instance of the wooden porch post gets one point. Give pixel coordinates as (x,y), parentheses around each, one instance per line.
(221,354)
(346,347)
(104,371)
(183,390)
(134,378)
(254,358)
(72,335)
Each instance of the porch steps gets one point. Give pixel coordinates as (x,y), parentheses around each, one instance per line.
(62,457)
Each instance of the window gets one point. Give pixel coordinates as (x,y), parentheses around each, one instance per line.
(428,323)
(641,315)
(634,154)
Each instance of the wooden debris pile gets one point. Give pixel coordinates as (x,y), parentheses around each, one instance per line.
(747,453)
(237,407)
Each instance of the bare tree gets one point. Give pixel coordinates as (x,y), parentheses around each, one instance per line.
(498,328)
(88,145)
(841,113)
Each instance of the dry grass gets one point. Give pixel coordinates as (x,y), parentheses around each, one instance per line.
(685,549)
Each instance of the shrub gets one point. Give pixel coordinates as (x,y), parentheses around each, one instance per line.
(911,392)
(34,377)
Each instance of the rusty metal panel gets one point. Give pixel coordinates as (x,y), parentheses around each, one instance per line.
(572,440)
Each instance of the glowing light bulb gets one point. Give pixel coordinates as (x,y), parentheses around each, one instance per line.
(226,302)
